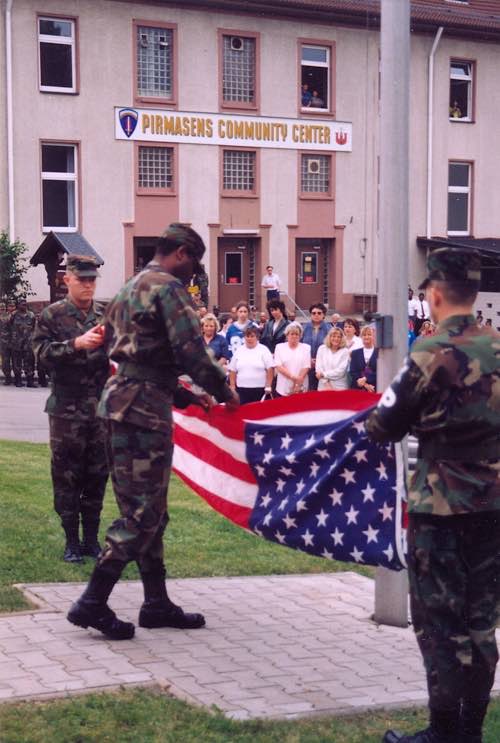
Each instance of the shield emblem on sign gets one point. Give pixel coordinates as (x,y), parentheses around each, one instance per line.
(128,120)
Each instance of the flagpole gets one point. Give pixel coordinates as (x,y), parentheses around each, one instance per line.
(391,588)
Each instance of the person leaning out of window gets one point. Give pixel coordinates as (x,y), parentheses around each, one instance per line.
(363,368)
(251,368)
(292,361)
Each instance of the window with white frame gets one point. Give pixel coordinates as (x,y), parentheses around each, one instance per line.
(315,76)
(156,167)
(154,62)
(461,78)
(239,170)
(459,198)
(238,69)
(59,187)
(56,44)
(315,173)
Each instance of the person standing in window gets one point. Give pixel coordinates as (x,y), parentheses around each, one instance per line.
(306,96)
(293,361)
(314,335)
(316,100)
(271,282)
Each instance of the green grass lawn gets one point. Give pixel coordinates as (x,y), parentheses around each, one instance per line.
(199,542)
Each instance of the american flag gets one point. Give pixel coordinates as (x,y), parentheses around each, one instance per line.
(300,471)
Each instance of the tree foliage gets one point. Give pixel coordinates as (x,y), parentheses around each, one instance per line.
(13,269)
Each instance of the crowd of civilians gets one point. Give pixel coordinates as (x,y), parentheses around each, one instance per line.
(273,355)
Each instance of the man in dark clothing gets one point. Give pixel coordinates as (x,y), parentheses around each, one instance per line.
(22,325)
(68,343)
(153,334)
(448,394)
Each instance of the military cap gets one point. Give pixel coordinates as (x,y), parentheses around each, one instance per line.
(83,266)
(453,264)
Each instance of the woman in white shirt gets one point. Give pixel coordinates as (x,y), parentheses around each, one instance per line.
(292,361)
(251,368)
(351,334)
(332,361)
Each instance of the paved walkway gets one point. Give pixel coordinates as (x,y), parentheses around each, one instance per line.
(274,647)
(21,413)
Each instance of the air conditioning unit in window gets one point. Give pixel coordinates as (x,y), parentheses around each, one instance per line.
(236,43)
(162,41)
(313,167)
(144,40)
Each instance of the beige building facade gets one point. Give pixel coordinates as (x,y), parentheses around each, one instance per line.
(256,124)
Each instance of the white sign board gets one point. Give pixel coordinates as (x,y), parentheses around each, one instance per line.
(150,125)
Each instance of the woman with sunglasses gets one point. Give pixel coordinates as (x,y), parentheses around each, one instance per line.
(314,335)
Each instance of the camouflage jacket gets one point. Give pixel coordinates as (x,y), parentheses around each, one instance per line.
(5,329)
(22,325)
(77,377)
(153,334)
(448,395)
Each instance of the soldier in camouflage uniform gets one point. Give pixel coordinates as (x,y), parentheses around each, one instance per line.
(5,351)
(448,394)
(22,325)
(69,343)
(202,281)
(153,335)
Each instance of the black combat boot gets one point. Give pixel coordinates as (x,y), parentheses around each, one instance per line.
(471,721)
(72,551)
(92,610)
(444,728)
(7,381)
(18,382)
(30,382)
(157,609)
(90,546)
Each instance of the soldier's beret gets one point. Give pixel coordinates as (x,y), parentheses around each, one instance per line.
(82,265)
(453,264)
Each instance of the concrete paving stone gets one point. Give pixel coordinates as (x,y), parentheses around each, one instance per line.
(94,677)
(191,686)
(6,693)
(247,678)
(116,665)
(12,645)
(161,669)
(134,678)
(10,670)
(50,674)
(294,707)
(26,686)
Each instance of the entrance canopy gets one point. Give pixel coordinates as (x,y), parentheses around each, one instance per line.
(52,254)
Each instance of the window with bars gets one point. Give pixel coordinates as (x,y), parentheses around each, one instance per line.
(239,170)
(315,174)
(239,70)
(156,167)
(154,62)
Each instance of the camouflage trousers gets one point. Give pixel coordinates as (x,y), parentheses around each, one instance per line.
(6,354)
(454,571)
(78,466)
(23,359)
(140,461)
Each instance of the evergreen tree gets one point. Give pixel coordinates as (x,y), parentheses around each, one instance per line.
(13,269)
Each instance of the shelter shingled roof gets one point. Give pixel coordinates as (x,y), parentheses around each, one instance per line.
(69,242)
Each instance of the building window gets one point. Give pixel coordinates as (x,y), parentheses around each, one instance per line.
(315,174)
(315,76)
(459,198)
(461,74)
(239,171)
(154,62)
(56,43)
(239,70)
(156,165)
(59,187)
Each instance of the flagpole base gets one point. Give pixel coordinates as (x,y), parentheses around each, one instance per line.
(391,597)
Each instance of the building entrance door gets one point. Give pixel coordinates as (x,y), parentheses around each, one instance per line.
(236,262)
(311,262)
